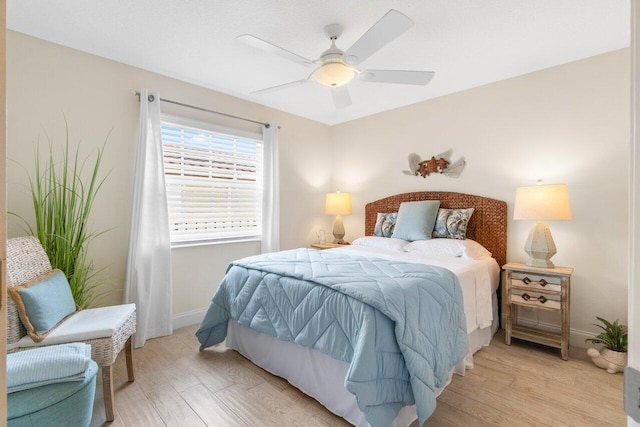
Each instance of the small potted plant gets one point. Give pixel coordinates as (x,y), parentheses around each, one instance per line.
(613,356)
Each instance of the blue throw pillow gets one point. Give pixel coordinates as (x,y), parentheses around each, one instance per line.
(43,303)
(416,220)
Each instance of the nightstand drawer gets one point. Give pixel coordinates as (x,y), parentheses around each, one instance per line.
(535,300)
(533,282)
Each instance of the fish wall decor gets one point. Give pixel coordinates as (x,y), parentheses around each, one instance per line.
(436,164)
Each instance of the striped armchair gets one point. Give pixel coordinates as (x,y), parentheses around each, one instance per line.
(107,329)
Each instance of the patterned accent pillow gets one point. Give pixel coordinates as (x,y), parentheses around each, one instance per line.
(452,223)
(385,223)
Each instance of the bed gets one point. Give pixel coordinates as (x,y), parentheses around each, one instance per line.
(325,375)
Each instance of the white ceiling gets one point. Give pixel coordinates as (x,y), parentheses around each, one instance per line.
(466,42)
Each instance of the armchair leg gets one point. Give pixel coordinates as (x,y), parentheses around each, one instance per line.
(128,348)
(107,389)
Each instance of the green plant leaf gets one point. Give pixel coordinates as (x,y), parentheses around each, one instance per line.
(614,335)
(62,203)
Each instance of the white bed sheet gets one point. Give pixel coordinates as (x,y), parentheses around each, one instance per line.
(479,278)
(322,377)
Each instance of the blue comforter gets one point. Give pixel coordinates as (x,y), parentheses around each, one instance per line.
(401,326)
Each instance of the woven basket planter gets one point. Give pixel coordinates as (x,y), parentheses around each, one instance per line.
(612,361)
(616,357)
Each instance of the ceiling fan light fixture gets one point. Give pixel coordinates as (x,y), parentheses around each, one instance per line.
(333,74)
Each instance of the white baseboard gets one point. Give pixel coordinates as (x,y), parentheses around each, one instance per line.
(189,318)
(576,336)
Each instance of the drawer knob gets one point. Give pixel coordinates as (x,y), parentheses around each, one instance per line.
(543,283)
(542,299)
(526,280)
(526,297)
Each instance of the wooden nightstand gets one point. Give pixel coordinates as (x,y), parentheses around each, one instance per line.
(325,245)
(539,289)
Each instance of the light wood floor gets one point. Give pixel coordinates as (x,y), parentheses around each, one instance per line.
(522,384)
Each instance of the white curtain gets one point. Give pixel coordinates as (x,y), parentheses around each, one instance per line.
(271,191)
(148,281)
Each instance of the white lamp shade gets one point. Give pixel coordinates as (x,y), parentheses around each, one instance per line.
(338,204)
(333,74)
(542,202)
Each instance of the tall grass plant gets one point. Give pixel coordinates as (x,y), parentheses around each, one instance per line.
(63,193)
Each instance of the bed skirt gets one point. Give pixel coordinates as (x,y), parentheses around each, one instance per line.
(322,377)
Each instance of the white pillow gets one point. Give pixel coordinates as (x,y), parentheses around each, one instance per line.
(389,243)
(467,248)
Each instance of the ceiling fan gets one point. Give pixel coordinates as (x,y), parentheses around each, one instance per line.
(335,67)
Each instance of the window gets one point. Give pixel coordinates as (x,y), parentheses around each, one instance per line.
(214,182)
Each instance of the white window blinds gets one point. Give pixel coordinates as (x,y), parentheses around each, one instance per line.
(214,183)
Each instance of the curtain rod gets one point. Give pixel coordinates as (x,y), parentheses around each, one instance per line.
(151,98)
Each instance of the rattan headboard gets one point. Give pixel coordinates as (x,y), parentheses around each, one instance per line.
(488,224)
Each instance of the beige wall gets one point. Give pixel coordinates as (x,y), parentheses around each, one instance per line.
(47,82)
(567,124)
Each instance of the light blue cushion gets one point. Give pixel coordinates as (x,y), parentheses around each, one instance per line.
(62,404)
(48,302)
(416,220)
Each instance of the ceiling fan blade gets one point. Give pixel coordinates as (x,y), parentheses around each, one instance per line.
(279,87)
(384,31)
(341,97)
(397,76)
(276,50)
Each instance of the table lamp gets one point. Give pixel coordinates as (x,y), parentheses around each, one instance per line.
(338,204)
(541,202)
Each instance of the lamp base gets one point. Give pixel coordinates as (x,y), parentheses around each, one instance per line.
(338,231)
(533,262)
(540,246)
